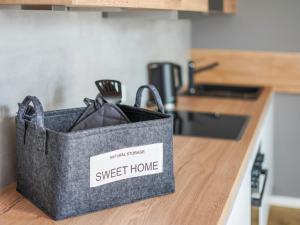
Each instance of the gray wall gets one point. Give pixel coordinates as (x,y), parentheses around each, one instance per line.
(58,55)
(270,25)
(287,145)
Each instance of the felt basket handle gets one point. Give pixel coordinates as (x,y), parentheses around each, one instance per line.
(155,94)
(38,108)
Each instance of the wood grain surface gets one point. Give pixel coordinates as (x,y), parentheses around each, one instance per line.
(184,5)
(279,70)
(208,173)
(284,216)
(36,2)
(230,6)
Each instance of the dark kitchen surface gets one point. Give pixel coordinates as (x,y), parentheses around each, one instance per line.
(223,126)
(225,91)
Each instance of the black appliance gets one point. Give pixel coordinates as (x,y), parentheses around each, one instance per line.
(213,125)
(167,78)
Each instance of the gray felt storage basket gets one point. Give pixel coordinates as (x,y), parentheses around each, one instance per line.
(71,173)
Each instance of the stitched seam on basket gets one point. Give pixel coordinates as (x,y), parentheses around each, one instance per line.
(57,133)
(21,128)
(146,113)
(107,117)
(103,132)
(63,114)
(110,131)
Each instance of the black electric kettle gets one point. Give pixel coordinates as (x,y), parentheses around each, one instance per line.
(167,78)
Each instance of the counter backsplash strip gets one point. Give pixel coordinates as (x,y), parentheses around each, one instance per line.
(58,56)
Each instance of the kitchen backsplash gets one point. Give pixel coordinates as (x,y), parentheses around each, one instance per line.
(57,56)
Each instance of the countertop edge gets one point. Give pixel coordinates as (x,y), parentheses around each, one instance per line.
(237,183)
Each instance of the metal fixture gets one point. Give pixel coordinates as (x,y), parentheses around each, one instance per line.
(192,71)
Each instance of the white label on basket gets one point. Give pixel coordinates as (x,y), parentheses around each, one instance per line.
(126,163)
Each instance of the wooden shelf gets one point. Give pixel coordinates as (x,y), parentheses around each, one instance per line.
(222,6)
(178,5)
(35,2)
(228,6)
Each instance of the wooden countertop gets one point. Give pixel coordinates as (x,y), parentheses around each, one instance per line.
(208,174)
(280,70)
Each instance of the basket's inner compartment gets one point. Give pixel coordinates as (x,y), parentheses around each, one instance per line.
(62,120)
(137,115)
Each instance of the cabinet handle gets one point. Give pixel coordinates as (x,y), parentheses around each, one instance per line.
(257,201)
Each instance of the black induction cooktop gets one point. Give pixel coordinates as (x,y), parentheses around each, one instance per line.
(212,125)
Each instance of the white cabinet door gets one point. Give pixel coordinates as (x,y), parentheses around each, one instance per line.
(266,142)
(241,211)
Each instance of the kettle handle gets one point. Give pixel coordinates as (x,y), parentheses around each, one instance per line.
(179,77)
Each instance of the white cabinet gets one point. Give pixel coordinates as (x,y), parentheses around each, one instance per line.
(267,149)
(241,213)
